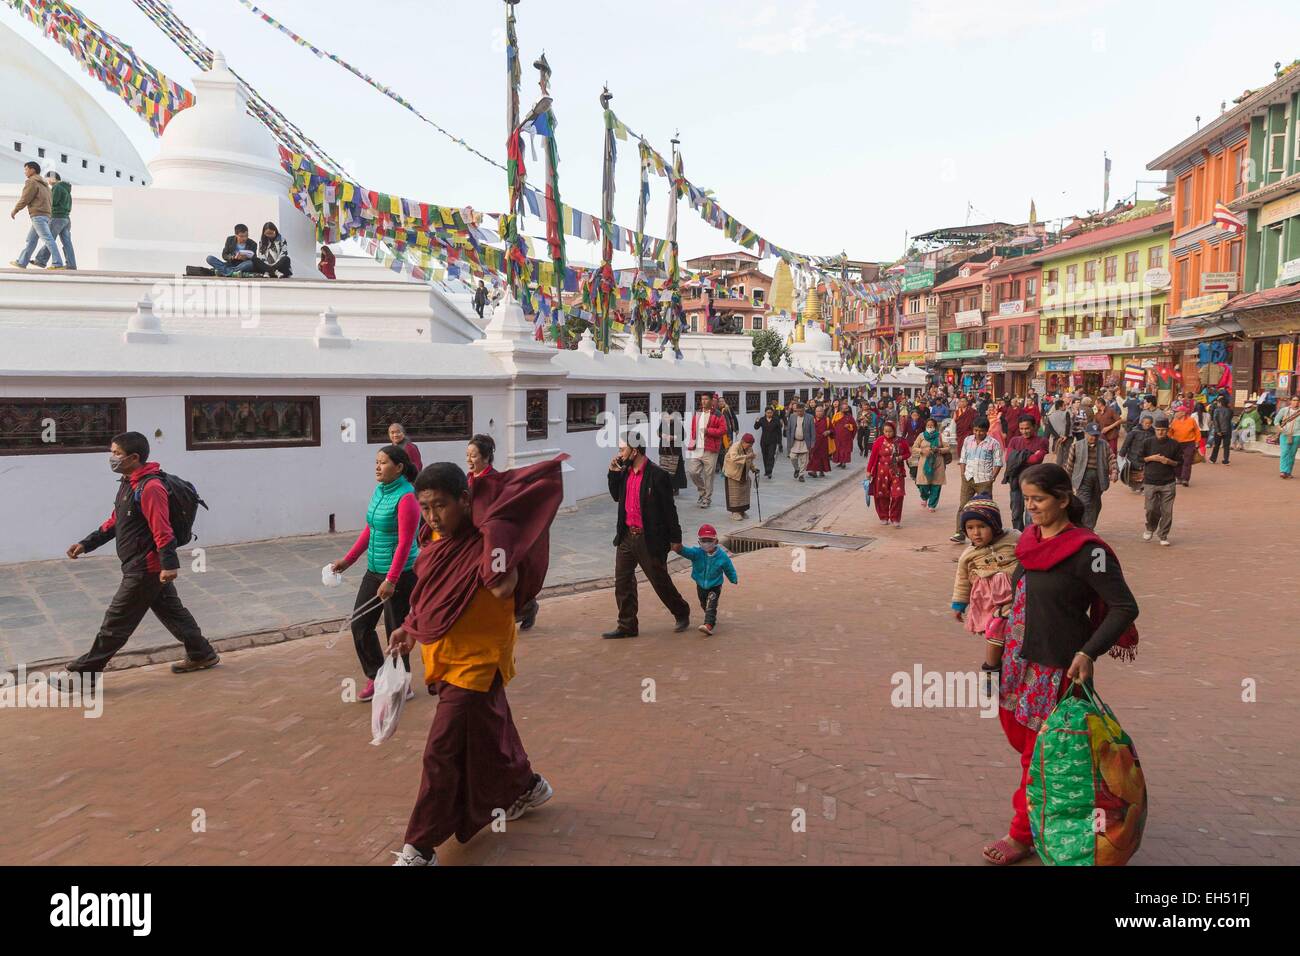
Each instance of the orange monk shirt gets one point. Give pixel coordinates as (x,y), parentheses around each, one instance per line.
(478,645)
(1184,430)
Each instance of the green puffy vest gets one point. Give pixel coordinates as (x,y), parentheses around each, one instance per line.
(381,516)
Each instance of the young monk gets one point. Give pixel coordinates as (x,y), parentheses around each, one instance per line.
(483,559)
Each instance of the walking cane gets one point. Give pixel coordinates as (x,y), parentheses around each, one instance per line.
(758,502)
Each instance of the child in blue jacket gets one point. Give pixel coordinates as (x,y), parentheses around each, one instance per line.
(708,564)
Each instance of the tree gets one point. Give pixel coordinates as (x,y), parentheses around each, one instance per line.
(767,342)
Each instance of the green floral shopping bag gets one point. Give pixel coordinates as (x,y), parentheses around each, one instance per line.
(1087,795)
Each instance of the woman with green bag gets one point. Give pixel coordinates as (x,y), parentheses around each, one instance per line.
(1070,604)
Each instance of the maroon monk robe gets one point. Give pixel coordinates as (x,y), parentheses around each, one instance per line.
(511,514)
(819,454)
(844,429)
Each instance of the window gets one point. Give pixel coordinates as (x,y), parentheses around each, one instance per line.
(537,413)
(424,417)
(773,398)
(43,426)
(585,412)
(1108,324)
(1031,292)
(633,403)
(63,157)
(1276,152)
(85,163)
(1087,324)
(1234,256)
(1128,320)
(1053,279)
(40,151)
(789,396)
(1184,190)
(695,321)
(1090,272)
(1153,316)
(732,399)
(214,422)
(18,147)
(753,401)
(913,341)
(119,174)
(1071,278)
(1156,257)
(757,322)
(758,296)
(672,418)
(1051,330)
(1239,169)
(101,167)
(1112,269)
(1130,266)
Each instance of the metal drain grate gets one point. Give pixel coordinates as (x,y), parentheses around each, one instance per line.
(755,538)
(742,543)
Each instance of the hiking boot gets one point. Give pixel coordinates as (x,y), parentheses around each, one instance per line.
(682,624)
(534,797)
(618,633)
(410,856)
(196,664)
(66,683)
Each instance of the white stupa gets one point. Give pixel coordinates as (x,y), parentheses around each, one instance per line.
(52,120)
(216,166)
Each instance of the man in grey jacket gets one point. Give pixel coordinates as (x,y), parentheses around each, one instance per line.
(799,437)
(1221,427)
(1092,468)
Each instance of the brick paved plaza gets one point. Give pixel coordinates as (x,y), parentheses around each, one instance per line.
(785,709)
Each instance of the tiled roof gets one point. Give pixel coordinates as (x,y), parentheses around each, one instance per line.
(1108,235)
(976,277)
(1254,300)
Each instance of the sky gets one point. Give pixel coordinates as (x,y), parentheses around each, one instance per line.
(826,126)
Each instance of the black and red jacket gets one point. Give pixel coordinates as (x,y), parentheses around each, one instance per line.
(141,523)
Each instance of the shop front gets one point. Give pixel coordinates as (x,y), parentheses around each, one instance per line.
(1057,374)
(1009,378)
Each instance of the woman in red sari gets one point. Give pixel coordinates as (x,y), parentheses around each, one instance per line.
(844,426)
(886,467)
(819,453)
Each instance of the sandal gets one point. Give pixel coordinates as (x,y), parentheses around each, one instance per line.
(1010,853)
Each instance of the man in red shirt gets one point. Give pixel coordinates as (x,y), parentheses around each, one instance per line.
(964,419)
(647,527)
(1025,449)
(141,525)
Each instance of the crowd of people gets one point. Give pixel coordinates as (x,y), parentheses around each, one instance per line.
(455,559)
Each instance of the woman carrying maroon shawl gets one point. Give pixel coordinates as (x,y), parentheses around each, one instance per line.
(886,467)
(819,451)
(483,559)
(1070,604)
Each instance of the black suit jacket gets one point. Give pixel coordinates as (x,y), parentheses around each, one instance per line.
(658,509)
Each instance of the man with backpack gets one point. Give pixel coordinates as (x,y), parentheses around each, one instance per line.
(152,514)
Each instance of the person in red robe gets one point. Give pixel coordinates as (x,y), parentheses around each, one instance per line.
(886,469)
(844,427)
(819,453)
(964,419)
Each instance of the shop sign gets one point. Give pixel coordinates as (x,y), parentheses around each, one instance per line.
(992,347)
(1058,365)
(1099,342)
(1092,363)
(1014,307)
(1203,304)
(1279,209)
(1156,278)
(997,366)
(969,317)
(918,280)
(1039,385)
(1218,282)
(1290,272)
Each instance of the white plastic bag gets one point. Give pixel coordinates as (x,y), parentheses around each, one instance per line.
(391,684)
(329,578)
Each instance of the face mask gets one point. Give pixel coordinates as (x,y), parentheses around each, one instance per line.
(708,547)
(115,462)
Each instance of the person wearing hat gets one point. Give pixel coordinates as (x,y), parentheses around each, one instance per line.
(736,470)
(981,592)
(1161,457)
(709,564)
(1133,452)
(1091,468)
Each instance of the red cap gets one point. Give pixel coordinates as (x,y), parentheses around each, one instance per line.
(707,531)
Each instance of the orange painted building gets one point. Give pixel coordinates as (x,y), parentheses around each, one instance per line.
(1207,168)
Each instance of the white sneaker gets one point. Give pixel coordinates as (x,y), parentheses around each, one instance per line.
(534,798)
(410,693)
(1164,542)
(1146,535)
(410,856)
